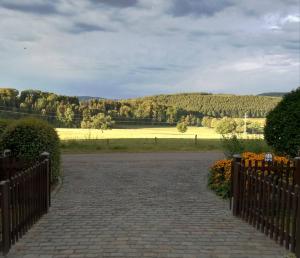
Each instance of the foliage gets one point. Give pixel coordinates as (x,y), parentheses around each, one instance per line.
(219,179)
(3,124)
(282,130)
(28,138)
(231,145)
(100,121)
(206,121)
(65,111)
(226,126)
(182,127)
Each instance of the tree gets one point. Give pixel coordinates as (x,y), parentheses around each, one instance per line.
(282,130)
(182,127)
(100,121)
(214,122)
(125,111)
(255,128)
(86,119)
(206,121)
(226,126)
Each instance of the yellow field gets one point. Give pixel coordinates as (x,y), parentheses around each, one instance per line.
(141,133)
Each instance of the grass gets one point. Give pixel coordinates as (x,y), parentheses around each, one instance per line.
(147,139)
(150,145)
(141,133)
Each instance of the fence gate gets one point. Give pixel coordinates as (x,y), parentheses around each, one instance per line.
(267,196)
(24,197)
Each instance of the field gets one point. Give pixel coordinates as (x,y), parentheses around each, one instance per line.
(142,133)
(148,139)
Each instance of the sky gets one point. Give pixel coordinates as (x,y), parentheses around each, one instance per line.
(129,48)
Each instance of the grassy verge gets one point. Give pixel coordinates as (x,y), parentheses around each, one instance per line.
(150,145)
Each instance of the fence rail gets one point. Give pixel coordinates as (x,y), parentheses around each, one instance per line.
(267,196)
(24,197)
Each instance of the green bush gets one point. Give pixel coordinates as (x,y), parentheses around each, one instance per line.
(28,138)
(226,126)
(231,145)
(182,127)
(282,130)
(3,124)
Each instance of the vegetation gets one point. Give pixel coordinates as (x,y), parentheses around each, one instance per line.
(147,145)
(3,124)
(28,138)
(282,130)
(182,127)
(220,173)
(226,126)
(64,111)
(143,132)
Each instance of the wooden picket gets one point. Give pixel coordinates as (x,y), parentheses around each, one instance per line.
(24,197)
(267,196)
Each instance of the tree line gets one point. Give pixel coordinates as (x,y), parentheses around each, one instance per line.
(66,111)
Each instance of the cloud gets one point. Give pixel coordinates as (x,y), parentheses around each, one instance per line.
(198,7)
(276,63)
(81,27)
(156,46)
(34,7)
(116,3)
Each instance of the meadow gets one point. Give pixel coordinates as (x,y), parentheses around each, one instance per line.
(143,133)
(148,139)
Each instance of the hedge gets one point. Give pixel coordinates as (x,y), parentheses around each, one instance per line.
(28,138)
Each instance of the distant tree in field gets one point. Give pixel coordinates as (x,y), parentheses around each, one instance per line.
(172,114)
(100,121)
(240,126)
(255,128)
(125,111)
(206,121)
(86,119)
(198,122)
(214,122)
(226,126)
(182,127)
(282,130)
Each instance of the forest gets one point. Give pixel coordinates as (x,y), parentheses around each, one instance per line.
(67,111)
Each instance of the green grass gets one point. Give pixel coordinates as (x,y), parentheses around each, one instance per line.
(149,145)
(141,133)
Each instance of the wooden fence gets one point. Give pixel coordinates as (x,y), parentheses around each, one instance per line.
(267,196)
(24,196)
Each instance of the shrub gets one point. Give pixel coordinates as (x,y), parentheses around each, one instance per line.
(220,172)
(28,138)
(182,127)
(3,124)
(226,126)
(231,145)
(282,130)
(219,178)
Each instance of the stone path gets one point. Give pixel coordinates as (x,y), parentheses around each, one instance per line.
(141,205)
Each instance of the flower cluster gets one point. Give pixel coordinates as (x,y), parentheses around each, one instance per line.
(220,172)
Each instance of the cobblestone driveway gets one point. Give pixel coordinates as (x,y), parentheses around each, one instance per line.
(141,205)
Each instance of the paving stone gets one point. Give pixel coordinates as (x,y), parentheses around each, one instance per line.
(141,205)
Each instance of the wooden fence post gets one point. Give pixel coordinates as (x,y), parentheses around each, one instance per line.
(236,166)
(5,216)
(196,138)
(297,182)
(46,156)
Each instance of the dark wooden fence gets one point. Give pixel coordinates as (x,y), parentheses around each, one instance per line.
(267,196)
(24,196)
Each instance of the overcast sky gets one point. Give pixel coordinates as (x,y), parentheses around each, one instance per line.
(127,48)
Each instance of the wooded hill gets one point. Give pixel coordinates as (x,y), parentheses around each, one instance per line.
(217,105)
(68,111)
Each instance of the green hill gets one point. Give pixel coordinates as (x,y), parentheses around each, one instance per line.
(217,105)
